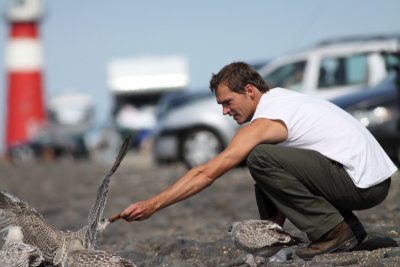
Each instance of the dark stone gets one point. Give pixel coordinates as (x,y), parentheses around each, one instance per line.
(376,243)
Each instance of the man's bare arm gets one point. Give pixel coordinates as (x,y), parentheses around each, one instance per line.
(198,178)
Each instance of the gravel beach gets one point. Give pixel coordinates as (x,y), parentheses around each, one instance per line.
(191,233)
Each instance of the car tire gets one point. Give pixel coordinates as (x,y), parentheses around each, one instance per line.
(199,146)
(22,154)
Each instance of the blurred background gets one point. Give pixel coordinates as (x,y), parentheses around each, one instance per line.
(109,67)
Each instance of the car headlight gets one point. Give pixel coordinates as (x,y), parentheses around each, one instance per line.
(374,116)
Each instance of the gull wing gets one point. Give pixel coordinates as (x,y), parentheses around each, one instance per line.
(97,209)
(36,231)
(88,257)
(17,253)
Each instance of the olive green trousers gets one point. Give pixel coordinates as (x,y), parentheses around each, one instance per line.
(312,191)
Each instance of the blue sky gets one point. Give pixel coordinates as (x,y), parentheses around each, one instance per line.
(81,37)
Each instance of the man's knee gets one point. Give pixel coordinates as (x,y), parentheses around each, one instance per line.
(260,156)
(259,162)
(263,156)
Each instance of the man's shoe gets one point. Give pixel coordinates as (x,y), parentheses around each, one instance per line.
(339,239)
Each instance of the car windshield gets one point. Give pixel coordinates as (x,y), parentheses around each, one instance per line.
(178,99)
(288,76)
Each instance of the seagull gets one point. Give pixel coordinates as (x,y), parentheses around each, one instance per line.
(79,256)
(15,253)
(54,243)
(260,238)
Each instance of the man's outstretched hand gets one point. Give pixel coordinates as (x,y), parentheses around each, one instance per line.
(138,211)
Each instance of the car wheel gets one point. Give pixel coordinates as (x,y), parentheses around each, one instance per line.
(199,146)
(22,154)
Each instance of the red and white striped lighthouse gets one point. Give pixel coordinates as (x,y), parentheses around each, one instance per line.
(24,66)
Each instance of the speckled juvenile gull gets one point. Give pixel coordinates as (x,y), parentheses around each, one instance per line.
(261,238)
(52,242)
(15,253)
(78,256)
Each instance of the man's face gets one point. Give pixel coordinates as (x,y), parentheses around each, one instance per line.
(239,106)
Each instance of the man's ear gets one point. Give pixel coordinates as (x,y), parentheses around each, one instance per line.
(250,90)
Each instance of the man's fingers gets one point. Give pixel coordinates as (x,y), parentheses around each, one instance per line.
(129,213)
(136,212)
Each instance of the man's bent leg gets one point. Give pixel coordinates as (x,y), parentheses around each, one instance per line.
(370,197)
(313,192)
(289,178)
(355,225)
(267,209)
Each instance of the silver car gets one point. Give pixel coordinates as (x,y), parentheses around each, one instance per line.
(191,128)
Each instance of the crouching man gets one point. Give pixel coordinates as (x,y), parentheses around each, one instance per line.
(312,162)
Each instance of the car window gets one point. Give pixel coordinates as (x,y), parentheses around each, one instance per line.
(392,61)
(288,76)
(343,71)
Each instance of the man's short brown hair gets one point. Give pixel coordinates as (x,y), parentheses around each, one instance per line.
(236,76)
